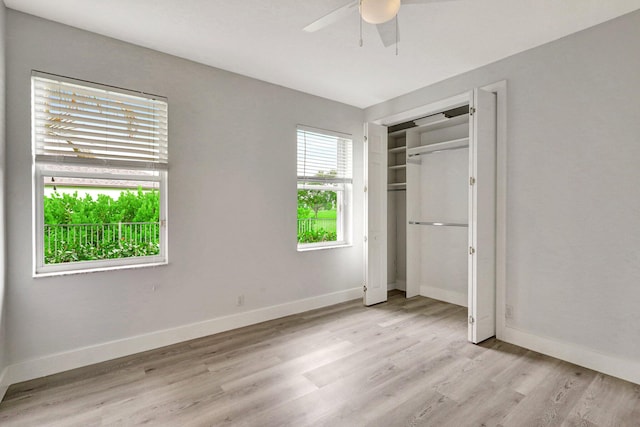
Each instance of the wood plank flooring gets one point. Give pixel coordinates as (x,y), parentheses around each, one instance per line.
(402,363)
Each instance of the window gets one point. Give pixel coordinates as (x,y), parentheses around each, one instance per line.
(324,188)
(100,159)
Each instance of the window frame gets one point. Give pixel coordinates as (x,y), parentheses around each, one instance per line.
(42,168)
(344,196)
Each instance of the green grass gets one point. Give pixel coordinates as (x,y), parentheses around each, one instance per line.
(322,214)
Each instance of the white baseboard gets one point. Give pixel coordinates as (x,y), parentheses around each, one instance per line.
(453,297)
(4,386)
(398,284)
(625,369)
(60,362)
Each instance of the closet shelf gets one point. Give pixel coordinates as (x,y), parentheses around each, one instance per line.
(400,132)
(398,149)
(456,144)
(397,186)
(439,224)
(398,167)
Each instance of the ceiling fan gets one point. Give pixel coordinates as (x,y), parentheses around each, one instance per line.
(378,12)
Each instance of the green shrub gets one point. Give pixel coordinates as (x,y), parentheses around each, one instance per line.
(108,242)
(73,252)
(131,206)
(319,235)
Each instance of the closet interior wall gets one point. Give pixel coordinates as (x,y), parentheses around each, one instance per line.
(428,208)
(438,209)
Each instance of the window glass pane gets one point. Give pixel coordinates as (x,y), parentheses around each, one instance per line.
(317,215)
(88,219)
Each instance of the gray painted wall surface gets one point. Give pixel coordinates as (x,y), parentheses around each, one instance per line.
(3,342)
(573,202)
(232,197)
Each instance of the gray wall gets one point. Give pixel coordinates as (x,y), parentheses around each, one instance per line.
(573,207)
(232,197)
(3,343)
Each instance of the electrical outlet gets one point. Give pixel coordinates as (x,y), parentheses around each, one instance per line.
(240,300)
(508,311)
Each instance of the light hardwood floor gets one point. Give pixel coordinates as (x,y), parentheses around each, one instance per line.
(402,363)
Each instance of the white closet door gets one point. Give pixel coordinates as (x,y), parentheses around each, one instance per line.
(375,251)
(482,216)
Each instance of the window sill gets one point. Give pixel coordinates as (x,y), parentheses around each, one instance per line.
(319,248)
(97,269)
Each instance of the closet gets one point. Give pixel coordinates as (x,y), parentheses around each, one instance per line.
(433,232)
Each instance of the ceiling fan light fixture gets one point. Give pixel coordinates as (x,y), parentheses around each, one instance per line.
(379,11)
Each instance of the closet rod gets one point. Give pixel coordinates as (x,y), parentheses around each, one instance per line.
(396,189)
(438,224)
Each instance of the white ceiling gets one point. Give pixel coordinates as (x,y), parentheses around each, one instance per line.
(264,38)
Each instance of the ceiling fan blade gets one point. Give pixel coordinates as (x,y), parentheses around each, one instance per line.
(387,32)
(332,17)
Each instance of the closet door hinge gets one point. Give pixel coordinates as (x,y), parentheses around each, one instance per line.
(365,188)
(471,320)
(472,180)
(365,238)
(472,111)
(364,286)
(471,250)
(365,139)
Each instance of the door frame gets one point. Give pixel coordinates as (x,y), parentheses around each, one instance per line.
(500,89)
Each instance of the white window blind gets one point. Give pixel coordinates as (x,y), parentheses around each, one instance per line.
(89,125)
(324,157)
